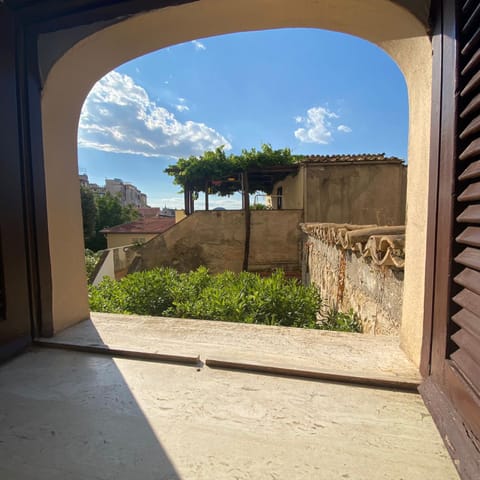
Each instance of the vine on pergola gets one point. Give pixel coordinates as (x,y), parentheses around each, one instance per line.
(216,172)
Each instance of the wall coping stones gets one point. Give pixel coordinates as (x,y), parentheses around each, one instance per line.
(351,158)
(381,245)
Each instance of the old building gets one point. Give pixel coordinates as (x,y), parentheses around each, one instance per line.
(137,232)
(358,189)
(128,193)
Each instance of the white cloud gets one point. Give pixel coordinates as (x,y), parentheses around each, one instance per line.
(298,119)
(199,45)
(317,126)
(344,128)
(181,99)
(119,116)
(182,108)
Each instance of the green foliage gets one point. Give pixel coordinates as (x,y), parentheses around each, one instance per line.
(243,297)
(108,296)
(91,259)
(332,319)
(258,206)
(109,212)
(218,173)
(89,212)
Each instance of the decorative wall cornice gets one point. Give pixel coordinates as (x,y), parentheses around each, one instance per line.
(381,245)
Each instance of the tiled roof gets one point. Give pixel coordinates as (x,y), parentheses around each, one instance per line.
(356,158)
(382,245)
(143,225)
(149,211)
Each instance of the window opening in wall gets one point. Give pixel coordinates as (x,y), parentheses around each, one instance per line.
(323,240)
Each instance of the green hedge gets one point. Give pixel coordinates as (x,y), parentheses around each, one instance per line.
(233,297)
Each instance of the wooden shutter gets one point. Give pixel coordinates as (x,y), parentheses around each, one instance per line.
(464,351)
(452,388)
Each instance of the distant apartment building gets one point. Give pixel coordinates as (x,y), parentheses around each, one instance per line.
(127,193)
(84,182)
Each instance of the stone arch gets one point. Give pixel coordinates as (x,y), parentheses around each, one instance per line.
(389,25)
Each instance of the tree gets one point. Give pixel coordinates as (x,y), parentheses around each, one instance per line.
(109,212)
(89,212)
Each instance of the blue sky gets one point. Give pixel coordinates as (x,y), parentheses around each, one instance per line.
(313,91)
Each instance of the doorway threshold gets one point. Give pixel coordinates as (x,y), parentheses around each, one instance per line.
(369,360)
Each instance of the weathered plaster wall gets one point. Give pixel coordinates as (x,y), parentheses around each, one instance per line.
(357,194)
(346,281)
(216,239)
(292,197)
(275,240)
(414,57)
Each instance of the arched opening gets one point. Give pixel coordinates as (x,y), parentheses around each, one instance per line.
(71,77)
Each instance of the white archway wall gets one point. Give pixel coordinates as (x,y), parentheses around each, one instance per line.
(73,75)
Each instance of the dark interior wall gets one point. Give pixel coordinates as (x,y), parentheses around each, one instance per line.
(15,319)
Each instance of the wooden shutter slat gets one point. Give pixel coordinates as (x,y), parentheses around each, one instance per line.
(472,85)
(472,150)
(468,344)
(467,365)
(472,107)
(471,193)
(469,279)
(472,19)
(474,61)
(470,257)
(467,5)
(468,320)
(472,171)
(470,215)
(470,236)
(468,300)
(472,128)
(471,43)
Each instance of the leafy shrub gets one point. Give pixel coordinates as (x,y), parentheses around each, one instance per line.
(108,296)
(259,206)
(243,297)
(332,319)
(91,259)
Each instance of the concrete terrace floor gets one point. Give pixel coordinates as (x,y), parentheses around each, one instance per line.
(79,416)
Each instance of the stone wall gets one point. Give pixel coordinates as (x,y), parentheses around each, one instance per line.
(359,268)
